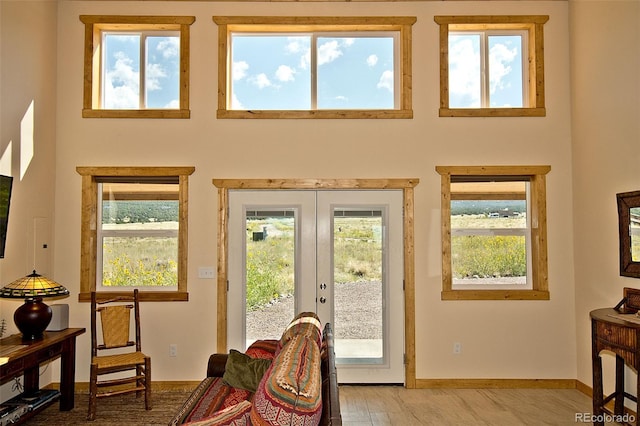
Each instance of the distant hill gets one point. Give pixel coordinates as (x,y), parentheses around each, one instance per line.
(486,207)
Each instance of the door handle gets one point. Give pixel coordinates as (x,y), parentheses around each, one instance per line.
(323,299)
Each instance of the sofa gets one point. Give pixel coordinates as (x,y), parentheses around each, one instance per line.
(290,381)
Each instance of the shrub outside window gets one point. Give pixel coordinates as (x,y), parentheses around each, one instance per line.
(134,231)
(136,66)
(314,67)
(491,66)
(494,232)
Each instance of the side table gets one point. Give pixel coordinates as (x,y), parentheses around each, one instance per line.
(28,356)
(610,332)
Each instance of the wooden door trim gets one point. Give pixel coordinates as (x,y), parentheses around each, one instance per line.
(406,185)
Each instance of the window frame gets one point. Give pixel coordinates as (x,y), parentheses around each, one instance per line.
(533,25)
(537,254)
(314,24)
(91,177)
(95,25)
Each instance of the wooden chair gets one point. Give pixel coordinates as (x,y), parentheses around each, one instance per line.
(115,318)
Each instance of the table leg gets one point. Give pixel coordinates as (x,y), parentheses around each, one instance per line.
(31,380)
(618,408)
(67,374)
(598,396)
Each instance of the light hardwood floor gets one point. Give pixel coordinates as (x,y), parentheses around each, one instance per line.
(395,405)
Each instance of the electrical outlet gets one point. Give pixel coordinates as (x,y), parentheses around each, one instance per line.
(173,349)
(206,272)
(457,348)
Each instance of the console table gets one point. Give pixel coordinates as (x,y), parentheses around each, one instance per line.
(27,359)
(622,337)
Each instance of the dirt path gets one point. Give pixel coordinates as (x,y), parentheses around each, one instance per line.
(357,306)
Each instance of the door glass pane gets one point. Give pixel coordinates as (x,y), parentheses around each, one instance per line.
(270,276)
(358,285)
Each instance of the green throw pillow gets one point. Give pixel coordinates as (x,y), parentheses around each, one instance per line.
(244,372)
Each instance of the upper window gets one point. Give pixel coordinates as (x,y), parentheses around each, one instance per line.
(136,66)
(491,66)
(140,236)
(494,232)
(314,67)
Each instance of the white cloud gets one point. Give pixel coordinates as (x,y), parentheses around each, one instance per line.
(328,52)
(153,75)
(173,104)
(295,46)
(349,41)
(372,60)
(464,70)
(239,70)
(235,102)
(285,73)
(261,80)
(122,84)
(386,81)
(169,47)
(305,59)
(500,56)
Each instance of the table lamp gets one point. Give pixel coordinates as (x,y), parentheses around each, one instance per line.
(34,316)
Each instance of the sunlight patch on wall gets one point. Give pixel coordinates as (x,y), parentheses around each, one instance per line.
(26,140)
(5,160)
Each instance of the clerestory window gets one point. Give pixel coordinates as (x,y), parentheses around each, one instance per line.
(491,66)
(136,66)
(314,67)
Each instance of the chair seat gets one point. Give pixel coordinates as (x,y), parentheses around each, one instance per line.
(119,360)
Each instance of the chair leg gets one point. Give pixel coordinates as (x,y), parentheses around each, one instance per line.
(93,392)
(140,382)
(147,383)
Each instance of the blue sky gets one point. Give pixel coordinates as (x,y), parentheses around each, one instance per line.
(505,71)
(122,71)
(274,71)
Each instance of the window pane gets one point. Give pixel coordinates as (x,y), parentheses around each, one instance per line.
(355,72)
(140,261)
(270,72)
(139,235)
(121,82)
(488,214)
(162,73)
(488,245)
(477,259)
(505,71)
(464,71)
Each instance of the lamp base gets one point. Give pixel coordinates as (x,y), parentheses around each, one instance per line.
(32,318)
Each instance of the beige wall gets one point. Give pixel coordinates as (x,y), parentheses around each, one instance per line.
(606,151)
(516,339)
(27,101)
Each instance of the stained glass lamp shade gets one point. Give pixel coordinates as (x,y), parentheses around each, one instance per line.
(34,316)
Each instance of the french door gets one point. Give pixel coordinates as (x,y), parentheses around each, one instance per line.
(336,253)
